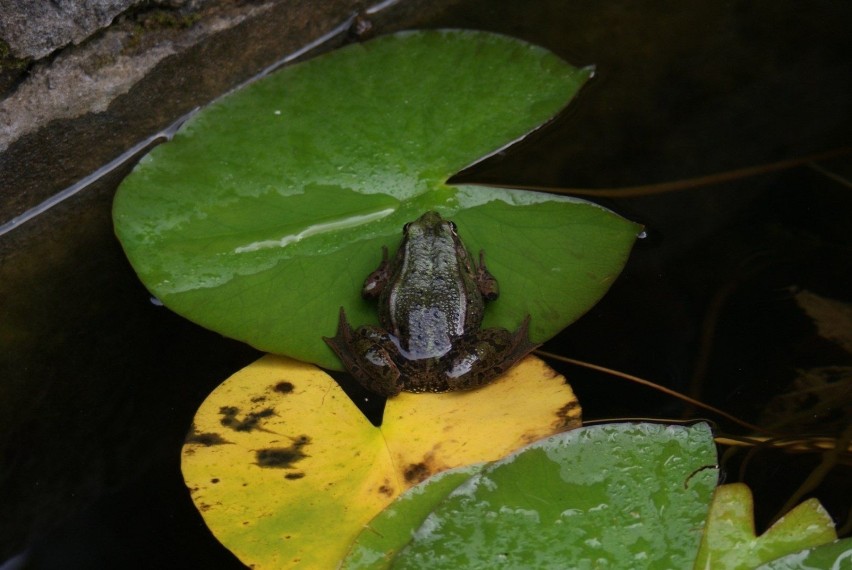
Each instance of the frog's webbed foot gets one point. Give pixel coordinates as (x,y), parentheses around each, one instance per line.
(366,354)
(494,351)
(486,282)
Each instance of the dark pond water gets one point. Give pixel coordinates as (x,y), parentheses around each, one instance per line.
(99,385)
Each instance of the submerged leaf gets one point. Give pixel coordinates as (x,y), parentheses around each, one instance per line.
(269,208)
(729,541)
(286,470)
(832,318)
(819,399)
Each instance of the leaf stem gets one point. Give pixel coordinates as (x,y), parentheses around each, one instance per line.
(663,389)
(686,183)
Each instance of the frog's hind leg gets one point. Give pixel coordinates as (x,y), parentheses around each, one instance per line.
(366,355)
(498,348)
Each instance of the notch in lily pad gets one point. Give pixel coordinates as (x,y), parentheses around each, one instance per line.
(626,495)
(267,210)
(297,489)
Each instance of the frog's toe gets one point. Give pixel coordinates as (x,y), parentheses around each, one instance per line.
(522,344)
(386,387)
(376,370)
(343,337)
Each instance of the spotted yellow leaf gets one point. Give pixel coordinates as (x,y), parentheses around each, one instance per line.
(286,470)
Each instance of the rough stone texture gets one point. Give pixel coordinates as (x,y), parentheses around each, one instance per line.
(64,116)
(89,78)
(34,29)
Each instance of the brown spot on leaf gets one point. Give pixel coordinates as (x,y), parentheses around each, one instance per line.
(284,387)
(279,457)
(386,489)
(249,422)
(292,476)
(569,415)
(528,438)
(301,440)
(214,480)
(283,457)
(206,439)
(416,472)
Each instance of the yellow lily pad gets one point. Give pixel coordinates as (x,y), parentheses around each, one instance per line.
(286,470)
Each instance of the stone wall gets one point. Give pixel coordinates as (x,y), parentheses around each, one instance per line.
(83,81)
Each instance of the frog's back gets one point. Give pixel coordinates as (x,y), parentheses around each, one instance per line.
(433,300)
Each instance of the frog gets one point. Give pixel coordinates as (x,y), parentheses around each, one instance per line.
(431,301)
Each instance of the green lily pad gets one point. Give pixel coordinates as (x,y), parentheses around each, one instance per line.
(268,209)
(391,529)
(608,496)
(835,555)
(730,543)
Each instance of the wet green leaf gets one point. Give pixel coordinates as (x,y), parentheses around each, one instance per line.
(730,543)
(391,529)
(608,496)
(835,555)
(269,208)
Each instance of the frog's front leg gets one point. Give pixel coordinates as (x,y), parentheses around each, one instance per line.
(486,355)
(376,281)
(368,354)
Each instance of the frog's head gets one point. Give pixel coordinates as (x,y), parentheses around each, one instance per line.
(430,223)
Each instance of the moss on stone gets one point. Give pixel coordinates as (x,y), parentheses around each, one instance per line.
(9,62)
(159,19)
(156,20)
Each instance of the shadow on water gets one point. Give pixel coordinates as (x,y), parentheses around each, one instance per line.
(100,384)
